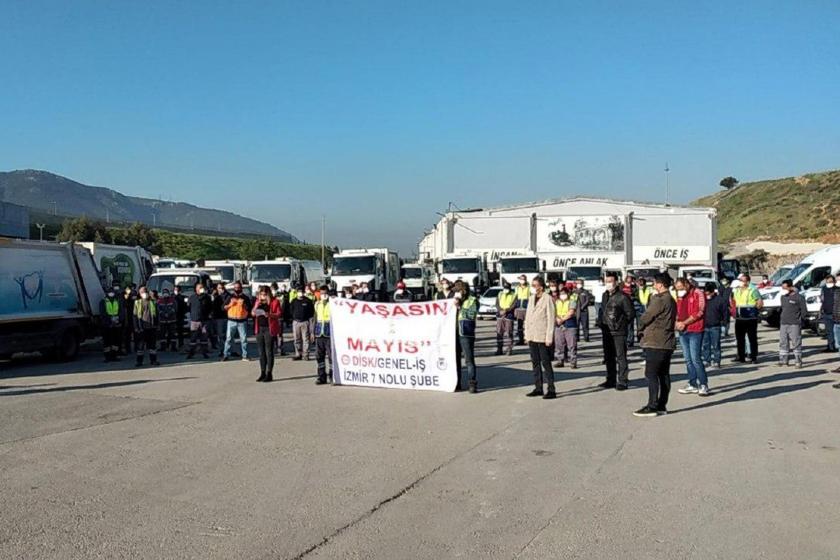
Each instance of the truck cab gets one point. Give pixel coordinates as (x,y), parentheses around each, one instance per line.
(378,268)
(287,273)
(417,279)
(700,274)
(229,271)
(511,268)
(470,269)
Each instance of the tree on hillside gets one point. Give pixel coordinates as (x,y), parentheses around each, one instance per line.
(83,229)
(729,183)
(138,234)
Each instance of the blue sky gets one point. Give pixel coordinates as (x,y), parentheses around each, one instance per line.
(377,114)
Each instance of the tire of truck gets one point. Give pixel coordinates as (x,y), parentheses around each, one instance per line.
(68,345)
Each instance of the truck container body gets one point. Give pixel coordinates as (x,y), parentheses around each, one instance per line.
(378,268)
(511,268)
(229,271)
(467,268)
(418,280)
(120,265)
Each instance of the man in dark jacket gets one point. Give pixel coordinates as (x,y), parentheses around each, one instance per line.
(112,318)
(129,297)
(793,313)
(201,307)
(617,314)
(726,293)
(715,317)
(302,311)
(827,296)
(657,334)
(219,319)
(584,300)
(167,315)
(145,321)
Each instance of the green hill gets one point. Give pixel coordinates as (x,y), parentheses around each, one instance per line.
(793,208)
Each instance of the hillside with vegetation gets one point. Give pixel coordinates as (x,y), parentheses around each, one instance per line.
(183,245)
(805,208)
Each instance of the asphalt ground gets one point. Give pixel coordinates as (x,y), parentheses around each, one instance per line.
(196,460)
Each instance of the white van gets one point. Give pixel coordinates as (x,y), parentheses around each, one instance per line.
(810,273)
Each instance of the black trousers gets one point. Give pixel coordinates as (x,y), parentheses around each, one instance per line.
(179,330)
(458,359)
(167,336)
(146,340)
(111,337)
(265,348)
(323,352)
(541,364)
(520,331)
(583,326)
(658,374)
(615,353)
(127,336)
(198,337)
(746,328)
(467,344)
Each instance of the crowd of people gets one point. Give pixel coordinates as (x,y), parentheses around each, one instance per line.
(551,319)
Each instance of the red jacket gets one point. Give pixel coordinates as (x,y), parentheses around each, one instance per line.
(275,313)
(692,305)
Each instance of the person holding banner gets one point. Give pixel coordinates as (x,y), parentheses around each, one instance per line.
(267,313)
(467,312)
(504,319)
(539,332)
(523,292)
(323,346)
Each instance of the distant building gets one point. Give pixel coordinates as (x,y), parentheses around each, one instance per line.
(14,220)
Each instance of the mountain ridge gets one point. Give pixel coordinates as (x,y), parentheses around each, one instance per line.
(47,191)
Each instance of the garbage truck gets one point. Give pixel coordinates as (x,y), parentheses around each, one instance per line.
(49,298)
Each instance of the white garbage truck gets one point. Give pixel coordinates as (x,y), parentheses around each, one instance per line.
(511,268)
(286,272)
(49,298)
(467,268)
(121,265)
(378,268)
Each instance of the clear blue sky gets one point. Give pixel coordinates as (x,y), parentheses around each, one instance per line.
(378,114)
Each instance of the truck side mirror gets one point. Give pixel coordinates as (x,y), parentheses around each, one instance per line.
(542,266)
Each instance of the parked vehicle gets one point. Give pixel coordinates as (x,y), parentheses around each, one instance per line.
(49,298)
(511,268)
(378,268)
(184,278)
(468,268)
(780,274)
(813,300)
(700,274)
(487,303)
(418,280)
(809,273)
(590,276)
(286,272)
(120,265)
(165,263)
(229,271)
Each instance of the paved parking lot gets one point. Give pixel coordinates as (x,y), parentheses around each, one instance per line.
(195,460)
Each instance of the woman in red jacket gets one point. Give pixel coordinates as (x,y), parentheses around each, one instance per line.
(691,311)
(267,313)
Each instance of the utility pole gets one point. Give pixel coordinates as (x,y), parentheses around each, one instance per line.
(40,230)
(55,208)
(667,185)
(323,235)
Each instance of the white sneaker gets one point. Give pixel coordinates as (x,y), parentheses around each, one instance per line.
(704,391)
(688,390)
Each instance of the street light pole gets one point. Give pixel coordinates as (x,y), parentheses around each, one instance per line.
(667,185)
(323,236)
(40,230)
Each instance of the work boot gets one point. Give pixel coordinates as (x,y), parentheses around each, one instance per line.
(510,352)
(330,379)
(139,361)
(268,378)
(153,360)
(473,387)
(550,394)
(498,352)
(320,381)
(535,393)
(190,355)
(261,378)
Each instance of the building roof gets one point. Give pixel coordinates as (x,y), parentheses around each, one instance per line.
(578,198)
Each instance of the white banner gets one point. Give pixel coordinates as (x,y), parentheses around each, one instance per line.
(394,345)
(562,261)
(672,253)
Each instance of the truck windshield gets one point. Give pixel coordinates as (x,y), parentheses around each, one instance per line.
(271,272)
(645,273)
(460,265)
(781,274)
(412,273)
(342,266)
(583,272)
(525,264)
(698,273)
(168,281)
(225,271)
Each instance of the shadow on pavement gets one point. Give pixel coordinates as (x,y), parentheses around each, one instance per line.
(83,387)
(755,394)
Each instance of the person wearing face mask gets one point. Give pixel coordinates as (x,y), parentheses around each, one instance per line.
(716,315)
(657,338)
(726,294)
(793,312)
(584,300)
(616,316)
(504,319)
(746,304)
(145,321)
(691,311)
(467,312)
(444,292)
(828,293)
(181,310)
(523,294)
(219,316)
(128,299)
(565,329)
(237,306)
(200,308)
(302,311)
(112,317)
(167,316)
(267,313)
(323,347)
(539,332)
(401,295)
(631,290)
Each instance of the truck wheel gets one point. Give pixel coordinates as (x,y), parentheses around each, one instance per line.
(68,346)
